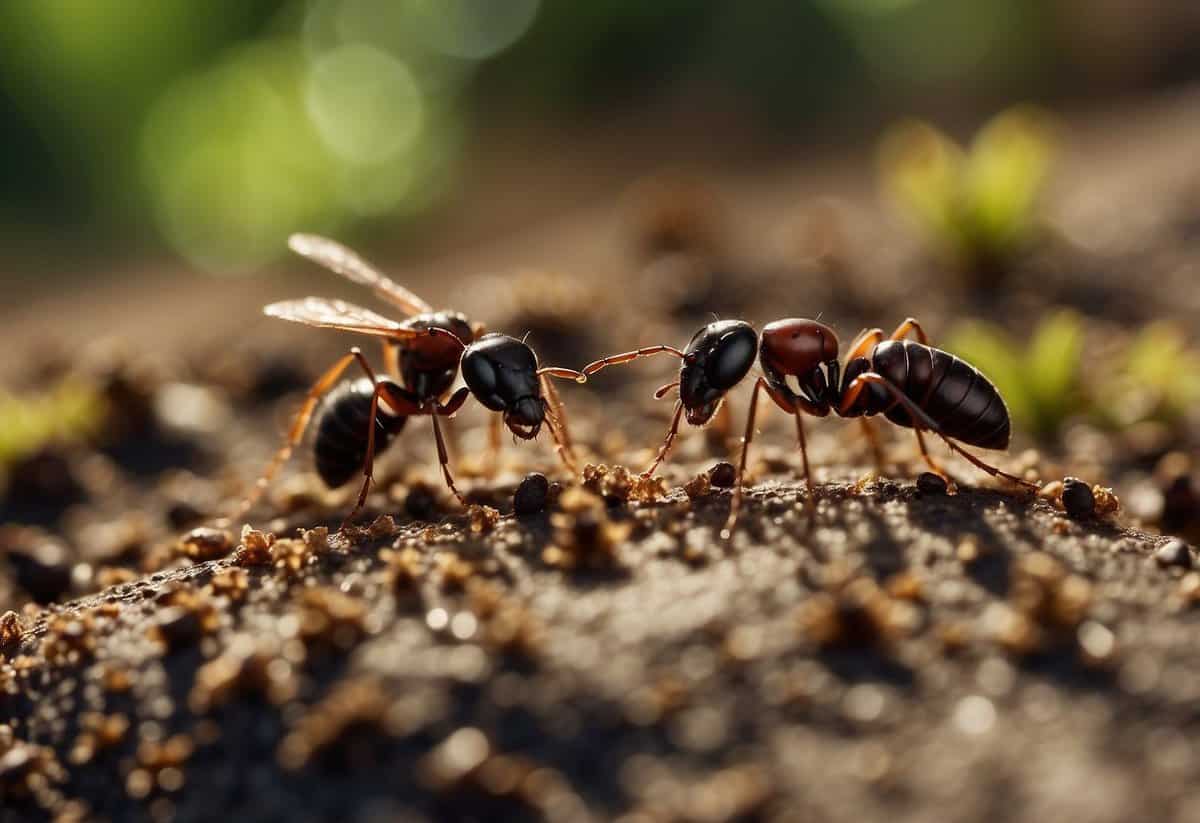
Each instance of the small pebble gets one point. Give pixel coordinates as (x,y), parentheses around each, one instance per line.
(531,494)
(1077,498)
(1174,553)
(723,475)
(930,483)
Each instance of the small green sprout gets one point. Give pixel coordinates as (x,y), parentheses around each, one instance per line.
(1040,382)
(975,206)
(71,412)
(1156,378)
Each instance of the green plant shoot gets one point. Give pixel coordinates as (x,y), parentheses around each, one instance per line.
(976,205)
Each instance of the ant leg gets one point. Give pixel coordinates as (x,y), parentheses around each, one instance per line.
(735,505)
(808,481)
(444,459)
(992,470)
(936,467)
(391,358)
(560,444)
(666,446)
(451,406)
(404,402)
(368,461)
(453,441)
(717,432)
(866,340)
(299,425)
(625,357)
(860,383)
(558,421)
(872,437)
(797,411)
(495,432)
(910,325)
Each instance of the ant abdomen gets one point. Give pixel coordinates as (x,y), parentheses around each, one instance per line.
(340,445)
(955,395)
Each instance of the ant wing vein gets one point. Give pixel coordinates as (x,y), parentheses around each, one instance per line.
(337,258)
(336,314)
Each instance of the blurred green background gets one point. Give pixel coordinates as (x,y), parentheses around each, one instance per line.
(213,129)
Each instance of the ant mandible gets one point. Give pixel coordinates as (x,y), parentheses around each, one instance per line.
(911,383)
(422,356)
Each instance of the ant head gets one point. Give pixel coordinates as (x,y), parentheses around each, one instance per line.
(501,372)
(716,360)
(804,349)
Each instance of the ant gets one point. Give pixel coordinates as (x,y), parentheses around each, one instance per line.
(422,355)
(911,383)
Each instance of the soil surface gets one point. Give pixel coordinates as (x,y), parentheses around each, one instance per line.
(873,648)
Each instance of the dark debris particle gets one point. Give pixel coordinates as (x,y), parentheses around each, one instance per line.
(275,377)
(182,514)
(1181,503)
(930,483)
(1174,553)
(178,627)
(532,494)
(723,475)
(421,503)
(43,569)
(1077,498)
(46,475)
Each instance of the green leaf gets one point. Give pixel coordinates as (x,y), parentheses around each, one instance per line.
(921,170)
(1004,174)
(1052,366)
(1160,361)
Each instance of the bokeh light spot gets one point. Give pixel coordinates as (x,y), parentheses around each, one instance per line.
(232,161)
(365,104)
(472,29)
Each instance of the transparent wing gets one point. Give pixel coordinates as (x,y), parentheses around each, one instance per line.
(337,258)
(336,314)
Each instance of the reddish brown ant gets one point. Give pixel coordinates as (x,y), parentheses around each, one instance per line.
(422,355)
(911,383)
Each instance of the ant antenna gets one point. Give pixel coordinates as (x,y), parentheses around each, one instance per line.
(526,336)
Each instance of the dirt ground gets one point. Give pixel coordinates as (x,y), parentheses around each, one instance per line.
(911,654)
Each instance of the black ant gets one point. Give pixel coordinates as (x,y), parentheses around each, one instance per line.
(422,356)
(911,383)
